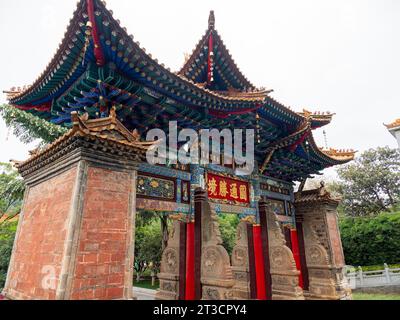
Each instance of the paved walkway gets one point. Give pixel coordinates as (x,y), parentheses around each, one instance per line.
(144,294)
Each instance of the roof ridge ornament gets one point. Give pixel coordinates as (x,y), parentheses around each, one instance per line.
(98,51)
(211,20)
(393,125)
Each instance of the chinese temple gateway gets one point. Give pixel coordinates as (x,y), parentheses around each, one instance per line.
(75,238)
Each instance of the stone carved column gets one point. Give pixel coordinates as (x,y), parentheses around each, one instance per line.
(240,264)
(170,262)
(216,272)
(285,276)
(323,248)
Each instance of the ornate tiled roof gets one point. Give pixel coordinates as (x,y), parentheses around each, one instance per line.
(319,118)
(316,195)
(331,156)
(99,65)
(225,68)
(108,130)
(340,154)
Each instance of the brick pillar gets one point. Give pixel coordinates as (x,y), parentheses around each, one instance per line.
(317,222)
(75,237)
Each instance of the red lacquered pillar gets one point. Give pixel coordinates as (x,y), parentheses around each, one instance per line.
(259,263)
(190,267)
(182,261)
(296,254)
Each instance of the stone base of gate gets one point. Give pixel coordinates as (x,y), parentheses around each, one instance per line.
(323,287)
(284,274)
(169,287)
(216,272)
(317,215)
(169,275)
(217,290)
(285,286)
(241,289)
(240,263)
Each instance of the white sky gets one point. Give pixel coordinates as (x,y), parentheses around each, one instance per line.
(337,56)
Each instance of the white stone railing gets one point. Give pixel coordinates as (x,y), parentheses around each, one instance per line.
(377,278)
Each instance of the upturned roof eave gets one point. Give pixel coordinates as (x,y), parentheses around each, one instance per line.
(71,29)
(325,158)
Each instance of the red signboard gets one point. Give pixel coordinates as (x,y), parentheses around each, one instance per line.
(228,189)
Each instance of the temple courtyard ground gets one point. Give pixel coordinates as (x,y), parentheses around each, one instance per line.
(375,296)
(144,294)
(149,294)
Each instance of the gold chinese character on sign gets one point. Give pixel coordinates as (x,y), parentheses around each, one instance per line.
(212,187)
(243,192)
(223,188)
(234,191)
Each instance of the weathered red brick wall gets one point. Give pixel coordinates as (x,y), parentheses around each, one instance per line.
(103,243)
(39,248)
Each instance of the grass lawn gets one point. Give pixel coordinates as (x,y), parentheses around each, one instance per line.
(375,296)
(146,284)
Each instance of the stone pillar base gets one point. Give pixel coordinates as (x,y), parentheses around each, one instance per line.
(316,214)
(169,287)
(169,275)
(216,272)
(284,274)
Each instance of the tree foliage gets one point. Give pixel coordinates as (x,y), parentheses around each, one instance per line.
(147,216)
(28,127)
(7,234)
(371,184)
(371,240)
(11,189)
(228,225)
(148,244)
(149,239)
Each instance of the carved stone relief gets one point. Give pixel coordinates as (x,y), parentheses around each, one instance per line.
(216,271)
(324,262)
(285,276)
(240,263)
(169,270)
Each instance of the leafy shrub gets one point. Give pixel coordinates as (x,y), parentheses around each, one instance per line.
(227,225)
(371,241)
(7,234)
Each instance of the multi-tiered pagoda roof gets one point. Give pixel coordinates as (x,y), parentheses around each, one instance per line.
(99,65)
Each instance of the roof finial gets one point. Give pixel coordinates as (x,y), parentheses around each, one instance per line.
(211,20)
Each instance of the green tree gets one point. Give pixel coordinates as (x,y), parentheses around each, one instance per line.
(371,240)
(148,244)
(7,234)
(28,127)
(148,216)
(371,184)
(11,189)
(228,225)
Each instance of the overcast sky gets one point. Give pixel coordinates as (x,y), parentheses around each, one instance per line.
(337,56)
